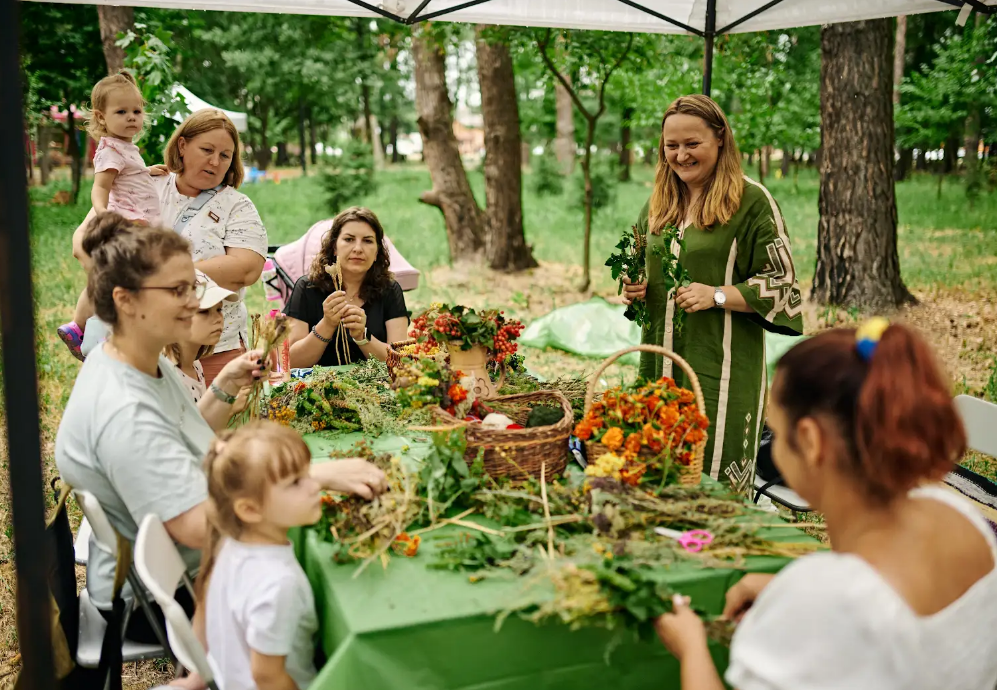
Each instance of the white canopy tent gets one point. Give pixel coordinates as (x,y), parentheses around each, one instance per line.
(195,103)
(704,18)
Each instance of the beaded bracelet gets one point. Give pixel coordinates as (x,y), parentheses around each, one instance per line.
(320,337)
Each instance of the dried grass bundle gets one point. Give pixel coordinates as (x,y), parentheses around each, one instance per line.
(340,337)
(266,333)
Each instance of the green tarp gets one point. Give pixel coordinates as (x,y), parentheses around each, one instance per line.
(598,329)
(411,627)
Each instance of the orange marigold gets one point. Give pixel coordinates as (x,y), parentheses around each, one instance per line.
(583,430)
(613,438)
(686,396)
(457,394)
(633,443)
(632,473)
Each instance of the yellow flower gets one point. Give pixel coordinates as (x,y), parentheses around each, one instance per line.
(426,381)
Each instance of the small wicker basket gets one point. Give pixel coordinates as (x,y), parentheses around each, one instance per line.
(394,357)
(689,475)
(518,452)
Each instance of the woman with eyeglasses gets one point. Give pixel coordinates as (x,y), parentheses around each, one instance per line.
(131,433)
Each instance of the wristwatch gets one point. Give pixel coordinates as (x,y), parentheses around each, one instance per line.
(365,340)
(719,298)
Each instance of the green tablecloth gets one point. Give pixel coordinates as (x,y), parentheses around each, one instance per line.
(410,627)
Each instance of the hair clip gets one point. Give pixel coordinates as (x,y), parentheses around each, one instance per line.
(867,336)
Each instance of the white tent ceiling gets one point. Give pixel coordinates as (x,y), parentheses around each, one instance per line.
(617,15)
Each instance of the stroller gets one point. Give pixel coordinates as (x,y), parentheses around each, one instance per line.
(286,263)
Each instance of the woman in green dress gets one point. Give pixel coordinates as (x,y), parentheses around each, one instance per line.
(743,281)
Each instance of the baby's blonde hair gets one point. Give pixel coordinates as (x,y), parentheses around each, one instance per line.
(98,100)
(243,463)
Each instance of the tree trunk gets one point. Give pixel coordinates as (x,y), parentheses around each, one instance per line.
(263,154)
(301,138)
(921,163)
(393,133)
(113,21)
(375,143)
(857,260)
(75,155)
(505,240)
(899,59)
(44,153)
(564,143)
(587,172)
(311,136)
(282,157)
(904,165)
(951,157)
(464,220)
(626,156)
(787,161)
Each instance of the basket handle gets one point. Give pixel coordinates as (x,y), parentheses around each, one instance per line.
(658,350)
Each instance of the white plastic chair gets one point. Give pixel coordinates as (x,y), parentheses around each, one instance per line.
(161,569)
(980,419)
(81,546)
(92,623)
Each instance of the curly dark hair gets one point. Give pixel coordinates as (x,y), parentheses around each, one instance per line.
(379,277)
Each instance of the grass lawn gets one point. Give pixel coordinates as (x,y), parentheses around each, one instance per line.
(948,255)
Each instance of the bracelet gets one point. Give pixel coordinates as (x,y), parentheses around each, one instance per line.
(320,337)
(222,395)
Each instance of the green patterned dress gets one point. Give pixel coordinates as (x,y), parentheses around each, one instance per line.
(727,349)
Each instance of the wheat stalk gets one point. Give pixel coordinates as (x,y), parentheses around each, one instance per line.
(342,345)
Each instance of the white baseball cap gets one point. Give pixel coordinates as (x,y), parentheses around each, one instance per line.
(213,292)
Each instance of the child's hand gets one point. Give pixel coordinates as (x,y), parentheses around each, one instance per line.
(681,631)
(158,169)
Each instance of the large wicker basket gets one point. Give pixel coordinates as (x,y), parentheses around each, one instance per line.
(537,451)
(689,475)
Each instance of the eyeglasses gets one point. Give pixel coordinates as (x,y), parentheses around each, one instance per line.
(181,291)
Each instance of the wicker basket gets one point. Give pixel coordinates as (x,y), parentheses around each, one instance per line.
(518,452)
(689,475)
(394,357)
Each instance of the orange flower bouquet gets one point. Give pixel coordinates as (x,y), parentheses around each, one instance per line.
(641,433)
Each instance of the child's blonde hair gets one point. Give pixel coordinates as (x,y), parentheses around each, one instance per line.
(243,463)
(98,100)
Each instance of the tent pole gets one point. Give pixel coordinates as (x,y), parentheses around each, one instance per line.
(711,28)
(17,320)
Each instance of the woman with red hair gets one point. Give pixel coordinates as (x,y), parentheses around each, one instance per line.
(864,428)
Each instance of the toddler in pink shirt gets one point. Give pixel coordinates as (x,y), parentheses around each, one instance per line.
(121,179)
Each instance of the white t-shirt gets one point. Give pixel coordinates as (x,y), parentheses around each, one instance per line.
(136,443)
(229,219)
(830,621)
(259,599)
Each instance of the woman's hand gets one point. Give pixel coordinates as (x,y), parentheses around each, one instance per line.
(695,297)
(333,309)
(741,596)
(355,320)
(633,291)
(242,371)
(681,631)
(351,476)
(158,169)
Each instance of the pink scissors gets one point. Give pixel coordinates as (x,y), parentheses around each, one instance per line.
(692,541)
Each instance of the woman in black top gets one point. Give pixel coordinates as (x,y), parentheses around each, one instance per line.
(370,304)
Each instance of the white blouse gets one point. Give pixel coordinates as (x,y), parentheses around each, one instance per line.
(196,386)
(228,220)
(830,620)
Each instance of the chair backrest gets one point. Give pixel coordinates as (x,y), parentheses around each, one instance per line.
(184,642)
(104,533)
(157,561)
(980,419)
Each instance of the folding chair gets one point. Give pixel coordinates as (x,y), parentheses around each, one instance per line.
(81,546)
(92,623)
(979,417)
(768,481)
(161,569)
